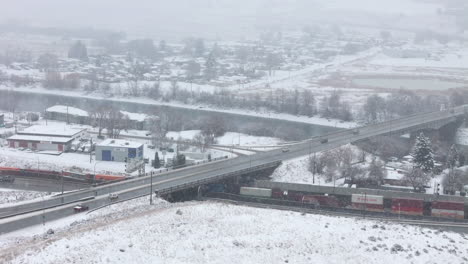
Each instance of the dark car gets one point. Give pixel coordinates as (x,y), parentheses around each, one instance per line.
(80,208)
(323,141)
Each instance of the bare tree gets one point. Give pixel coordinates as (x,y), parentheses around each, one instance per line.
(159,128)
(203,141)
(455,180)
(213,127)
(416,177)
(47,62)
(99,116)
(116,122)
(377,172)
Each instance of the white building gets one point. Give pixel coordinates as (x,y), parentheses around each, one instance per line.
(52,138)
(119,150)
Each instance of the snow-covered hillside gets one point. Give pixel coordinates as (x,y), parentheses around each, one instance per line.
(9,196)
(218,233)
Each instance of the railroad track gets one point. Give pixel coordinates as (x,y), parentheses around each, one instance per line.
(427,223)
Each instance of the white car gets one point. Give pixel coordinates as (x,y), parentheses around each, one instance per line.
(113,196)
(284,150)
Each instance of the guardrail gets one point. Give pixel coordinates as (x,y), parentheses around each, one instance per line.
(47,207)
(215,178)
(184,166)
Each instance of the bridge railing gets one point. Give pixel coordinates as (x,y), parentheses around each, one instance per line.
(214,178)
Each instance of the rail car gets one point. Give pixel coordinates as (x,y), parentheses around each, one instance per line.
(363,202)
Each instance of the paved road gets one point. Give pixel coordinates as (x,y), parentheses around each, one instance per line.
(43,185)
(195,175)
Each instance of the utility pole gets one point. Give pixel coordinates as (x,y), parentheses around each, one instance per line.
(315,168)
(62,182)
(91,152)
(151,189)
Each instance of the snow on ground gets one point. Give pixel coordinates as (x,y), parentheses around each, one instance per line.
(9,196)
(184,135)
(210,232)
(66,161)
(297,171)
(451,59)
(229,138)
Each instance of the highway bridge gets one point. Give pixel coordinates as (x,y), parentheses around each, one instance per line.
(24,215)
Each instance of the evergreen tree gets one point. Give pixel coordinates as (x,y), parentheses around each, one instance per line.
(210,67)
(78,51)
(179,160)
(157,162)
(422,154)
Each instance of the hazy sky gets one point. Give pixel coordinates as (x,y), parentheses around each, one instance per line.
(212,17)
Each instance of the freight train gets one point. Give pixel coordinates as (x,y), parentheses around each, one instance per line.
(56,174)
(364,202)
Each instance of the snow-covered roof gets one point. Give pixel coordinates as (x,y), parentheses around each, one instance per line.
(51,130)
(63,109)
(135,116)
(394,175)
(119,143)
(41,138)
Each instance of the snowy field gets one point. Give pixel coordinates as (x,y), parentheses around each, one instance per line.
(217,233)
(229,138)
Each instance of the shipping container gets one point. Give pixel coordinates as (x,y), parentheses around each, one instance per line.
(367,202)
(448,209)
(368,207)
(260,192)
(367,199)
(407,206)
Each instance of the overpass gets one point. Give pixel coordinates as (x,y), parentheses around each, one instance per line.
(24,215)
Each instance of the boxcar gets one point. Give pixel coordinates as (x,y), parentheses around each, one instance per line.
(448,209)
(278,193)
(322,200)
(407,206)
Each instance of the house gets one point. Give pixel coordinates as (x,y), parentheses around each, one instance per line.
(119,150)
(67,114)
(46,138)
(138,121)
